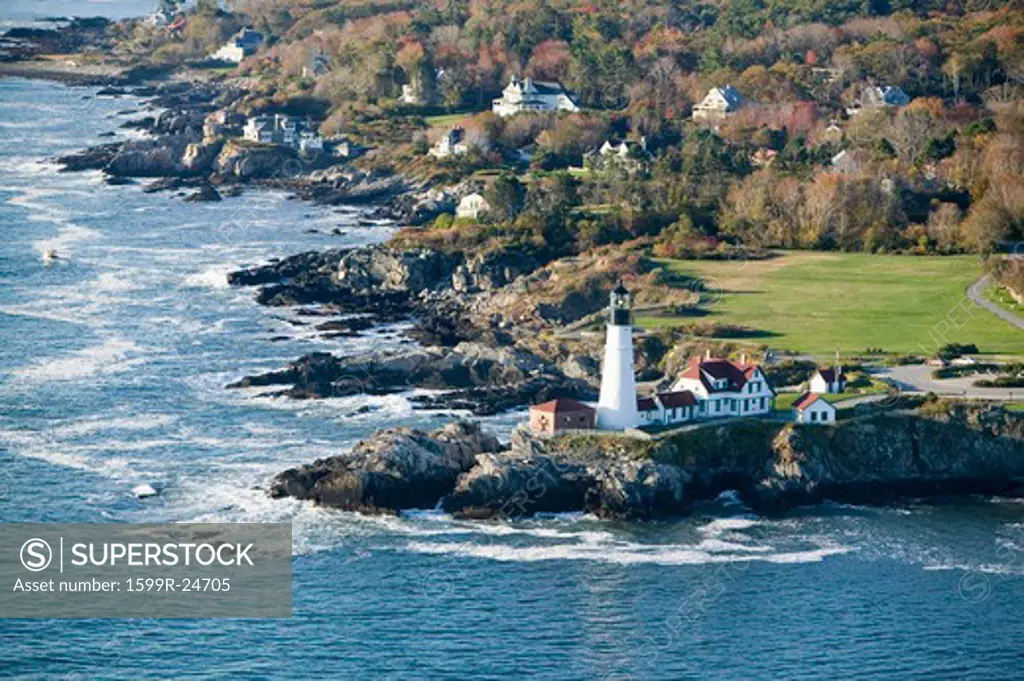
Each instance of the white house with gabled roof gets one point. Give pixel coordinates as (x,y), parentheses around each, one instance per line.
(471,206)
(726,388)
(718,103)
(828,381)
(813,408)
(533,95)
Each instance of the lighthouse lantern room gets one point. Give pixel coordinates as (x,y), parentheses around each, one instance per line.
(616,409)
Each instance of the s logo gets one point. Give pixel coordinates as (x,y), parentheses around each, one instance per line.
(36,555)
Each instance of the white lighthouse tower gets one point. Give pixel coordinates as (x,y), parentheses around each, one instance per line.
(616,409)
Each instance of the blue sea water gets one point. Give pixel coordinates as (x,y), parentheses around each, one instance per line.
(112,367)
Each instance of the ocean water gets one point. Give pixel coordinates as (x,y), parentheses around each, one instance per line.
(112,370)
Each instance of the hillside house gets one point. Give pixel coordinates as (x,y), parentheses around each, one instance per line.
(471,206)
(241,45)
(452,143)
(726,388)
(828,381)
(718,103)
(629,155)
(561,415)
(813,408)
(878,97)
(533,95)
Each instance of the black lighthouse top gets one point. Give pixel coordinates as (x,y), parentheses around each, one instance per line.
(619,309)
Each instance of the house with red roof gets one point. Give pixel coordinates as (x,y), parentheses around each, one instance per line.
(558,416)
(813,408)
(725,388)
(663,409)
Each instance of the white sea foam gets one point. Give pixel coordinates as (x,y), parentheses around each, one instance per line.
(722,525)
(213,277)
(109,357)
(621,554)
(98,424)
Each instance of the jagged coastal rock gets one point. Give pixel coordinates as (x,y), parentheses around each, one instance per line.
(395,468)
(940,449)
(483,379)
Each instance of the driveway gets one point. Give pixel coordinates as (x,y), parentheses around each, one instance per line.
(917,378)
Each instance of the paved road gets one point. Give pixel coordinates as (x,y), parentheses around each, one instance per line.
(917,378)
(976,292)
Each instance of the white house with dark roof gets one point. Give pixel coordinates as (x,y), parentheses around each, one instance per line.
(726,388)
(879,97)
(813,408)
(452,143)
(828,381)
(533,95)
(718,103)
(241,45)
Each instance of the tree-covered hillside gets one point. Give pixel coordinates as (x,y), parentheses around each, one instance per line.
(943,173)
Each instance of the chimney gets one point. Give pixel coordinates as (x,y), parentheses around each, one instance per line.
(743,358)
(707,354)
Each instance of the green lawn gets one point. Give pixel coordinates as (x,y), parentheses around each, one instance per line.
(813,302)
(1015,406)
(446,120)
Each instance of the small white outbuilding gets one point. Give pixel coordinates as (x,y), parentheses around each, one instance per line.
(813,408)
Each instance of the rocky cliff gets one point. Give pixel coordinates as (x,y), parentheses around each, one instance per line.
(941,449)
(395,468)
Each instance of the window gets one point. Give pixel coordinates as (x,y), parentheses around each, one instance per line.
(814,416)
(763,401)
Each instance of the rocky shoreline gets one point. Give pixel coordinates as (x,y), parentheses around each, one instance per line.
(478,324)
(938,450)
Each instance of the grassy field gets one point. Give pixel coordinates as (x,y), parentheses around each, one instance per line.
(446,120)
(813,302)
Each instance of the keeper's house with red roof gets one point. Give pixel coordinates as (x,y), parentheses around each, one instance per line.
(725,388)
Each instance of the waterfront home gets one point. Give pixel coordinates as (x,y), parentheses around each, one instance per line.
(726,388)
(813,408)
(561,415)
(718,103)
(528,95)
(471,206)
(288,131)
(241,45)
(259,129)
